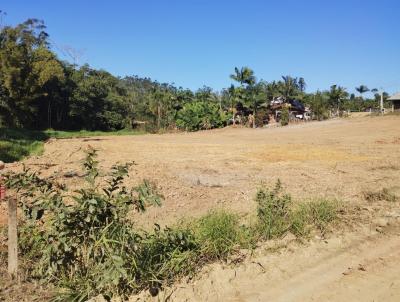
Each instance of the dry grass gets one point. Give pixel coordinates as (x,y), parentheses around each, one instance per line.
(303,152)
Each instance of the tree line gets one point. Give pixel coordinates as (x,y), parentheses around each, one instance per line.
(40,91)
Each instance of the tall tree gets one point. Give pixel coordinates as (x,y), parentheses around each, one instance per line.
(22,81)
(302,84)
(245,76)
(289,87)
(336,95)
(362,89)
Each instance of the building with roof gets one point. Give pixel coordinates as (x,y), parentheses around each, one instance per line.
(395,101)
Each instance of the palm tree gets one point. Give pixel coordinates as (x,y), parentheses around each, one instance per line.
(232,95)
(289,86)
(272,90)
(336,94)
(245,75)
(362,89)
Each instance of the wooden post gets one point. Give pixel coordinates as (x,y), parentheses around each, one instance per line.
(12,238)
(12,230)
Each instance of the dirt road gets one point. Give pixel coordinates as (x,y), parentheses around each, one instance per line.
(361,266)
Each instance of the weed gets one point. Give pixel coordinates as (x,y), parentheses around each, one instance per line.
(218,234)
(273,211)
(277,215)
(316,213)
(382,195)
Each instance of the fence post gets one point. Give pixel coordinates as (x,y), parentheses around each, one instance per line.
(12,238)
(12,229)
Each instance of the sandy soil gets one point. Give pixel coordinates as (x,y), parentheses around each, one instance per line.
(222,168)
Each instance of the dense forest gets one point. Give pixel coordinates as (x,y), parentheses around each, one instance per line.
(40,91)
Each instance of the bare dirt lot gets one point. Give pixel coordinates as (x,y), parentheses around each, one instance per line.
(196,172)
(223,168)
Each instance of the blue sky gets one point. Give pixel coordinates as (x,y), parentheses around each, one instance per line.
(195,43)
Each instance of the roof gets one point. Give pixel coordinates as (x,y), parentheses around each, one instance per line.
(395,97)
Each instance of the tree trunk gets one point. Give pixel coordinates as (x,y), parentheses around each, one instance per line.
(49,115)
(158,116)
(254,116)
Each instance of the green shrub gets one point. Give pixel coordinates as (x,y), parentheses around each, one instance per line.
(273,211)
(82,240)
(200,115)
(285,116)
(323,212)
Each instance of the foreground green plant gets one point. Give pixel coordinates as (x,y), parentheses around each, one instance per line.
(82,240)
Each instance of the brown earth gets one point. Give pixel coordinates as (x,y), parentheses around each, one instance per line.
(222,168)
(199,171)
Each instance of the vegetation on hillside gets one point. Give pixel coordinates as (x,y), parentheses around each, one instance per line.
(39,91)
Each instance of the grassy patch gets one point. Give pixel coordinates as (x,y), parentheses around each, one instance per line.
(277,214)
(381,195)
(16,144)
(85,133)
(314,214)
(219,234)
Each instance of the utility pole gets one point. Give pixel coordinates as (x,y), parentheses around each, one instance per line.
(381,105)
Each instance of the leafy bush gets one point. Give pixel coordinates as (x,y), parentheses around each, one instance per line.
(200,115)
(82,240)
(319,105)
(285,116)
